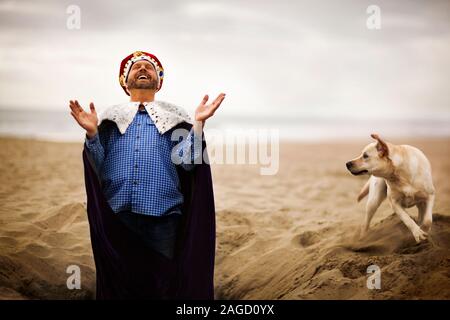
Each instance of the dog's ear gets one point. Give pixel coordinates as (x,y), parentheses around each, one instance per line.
(382,147)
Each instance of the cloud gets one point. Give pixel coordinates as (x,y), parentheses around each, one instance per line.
(290,57)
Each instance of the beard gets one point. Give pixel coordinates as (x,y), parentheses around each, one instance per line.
(151,84)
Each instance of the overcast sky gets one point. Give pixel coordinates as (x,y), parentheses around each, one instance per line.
(288,58)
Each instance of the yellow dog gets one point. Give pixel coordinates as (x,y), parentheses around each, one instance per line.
(401,173)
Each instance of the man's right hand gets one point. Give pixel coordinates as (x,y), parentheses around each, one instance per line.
(87,121)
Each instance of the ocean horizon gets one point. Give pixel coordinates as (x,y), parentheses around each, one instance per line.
(58,125)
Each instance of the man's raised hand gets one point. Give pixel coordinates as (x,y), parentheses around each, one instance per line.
(205,111)
(86,120)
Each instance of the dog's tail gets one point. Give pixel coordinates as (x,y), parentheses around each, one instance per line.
(364,191)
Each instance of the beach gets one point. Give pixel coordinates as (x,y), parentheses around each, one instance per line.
(293,235)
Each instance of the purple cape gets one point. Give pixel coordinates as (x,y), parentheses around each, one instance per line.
(128,269)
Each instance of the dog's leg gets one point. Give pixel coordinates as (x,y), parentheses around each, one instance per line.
(409,222)
(422,206)
(427,218)
(377,194)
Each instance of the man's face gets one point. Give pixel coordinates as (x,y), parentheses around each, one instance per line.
(142,76)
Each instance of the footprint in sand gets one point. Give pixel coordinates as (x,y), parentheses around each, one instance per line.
(306,239)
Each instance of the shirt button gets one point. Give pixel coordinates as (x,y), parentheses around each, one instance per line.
(136,166)
(136,150)
(139,124)
(137,137)
(135,182)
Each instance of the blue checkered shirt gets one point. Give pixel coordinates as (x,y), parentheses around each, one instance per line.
(136,169)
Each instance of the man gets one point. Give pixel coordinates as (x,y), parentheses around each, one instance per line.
(145,189)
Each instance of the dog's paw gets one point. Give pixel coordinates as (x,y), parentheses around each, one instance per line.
(426,226)
(419,235)
(362,233)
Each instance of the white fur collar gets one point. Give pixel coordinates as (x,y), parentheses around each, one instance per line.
(164,115)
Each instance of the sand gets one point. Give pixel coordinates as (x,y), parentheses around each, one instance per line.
(289,236)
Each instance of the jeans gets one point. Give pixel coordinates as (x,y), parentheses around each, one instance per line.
(157,232)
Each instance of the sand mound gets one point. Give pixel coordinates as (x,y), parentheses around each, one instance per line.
(327,265)
(35,255)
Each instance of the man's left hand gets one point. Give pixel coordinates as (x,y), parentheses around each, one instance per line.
(205,111)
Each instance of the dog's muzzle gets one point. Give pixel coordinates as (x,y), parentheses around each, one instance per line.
(349,166)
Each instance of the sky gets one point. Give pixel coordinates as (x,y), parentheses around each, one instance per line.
(271,58)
